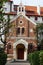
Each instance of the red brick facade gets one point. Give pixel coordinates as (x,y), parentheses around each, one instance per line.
(28,35)
(21,36)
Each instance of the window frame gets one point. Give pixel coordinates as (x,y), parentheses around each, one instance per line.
(23,29)
(36,18)
(18,30)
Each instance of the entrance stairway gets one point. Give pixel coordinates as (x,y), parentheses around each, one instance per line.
(18,63)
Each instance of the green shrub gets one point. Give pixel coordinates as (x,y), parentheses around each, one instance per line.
(34,58)
(30,58)
(41,58)
(3,58)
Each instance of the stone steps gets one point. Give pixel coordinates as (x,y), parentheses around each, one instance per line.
(18,63)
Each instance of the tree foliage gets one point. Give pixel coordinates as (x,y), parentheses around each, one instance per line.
(1,9)
(4,23)
(39,34)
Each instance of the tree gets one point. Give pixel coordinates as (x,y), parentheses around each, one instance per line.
(39,35)
(4,24)
(2,10)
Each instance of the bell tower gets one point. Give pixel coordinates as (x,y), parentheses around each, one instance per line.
(21,9)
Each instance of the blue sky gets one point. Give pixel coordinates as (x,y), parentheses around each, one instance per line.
(30,2)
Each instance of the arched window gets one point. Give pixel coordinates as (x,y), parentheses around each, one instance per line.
(8,48)
(22,30)
(18,30)
(35,18)
(22,9)
(19,9)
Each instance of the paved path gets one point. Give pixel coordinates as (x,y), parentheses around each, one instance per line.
(17,63)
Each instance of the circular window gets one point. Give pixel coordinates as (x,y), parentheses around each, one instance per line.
(21,22)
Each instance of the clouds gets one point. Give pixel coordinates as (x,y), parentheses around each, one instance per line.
(30,2)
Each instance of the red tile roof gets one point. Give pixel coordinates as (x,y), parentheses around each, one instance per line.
(10,13)
(7,0)
(10,0)
(32,10)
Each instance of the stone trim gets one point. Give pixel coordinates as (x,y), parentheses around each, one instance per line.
(25,43)
(33,38)
(21,41)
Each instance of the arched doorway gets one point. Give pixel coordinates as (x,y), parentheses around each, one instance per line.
(20,51)
(20,47)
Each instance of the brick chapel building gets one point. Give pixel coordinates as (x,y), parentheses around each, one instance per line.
(21,39)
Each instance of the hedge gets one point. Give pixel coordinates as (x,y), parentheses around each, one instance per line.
(30,58)
(36,58)
(41,58)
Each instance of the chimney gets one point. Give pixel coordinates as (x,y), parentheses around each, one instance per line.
(11,6)
(38,9)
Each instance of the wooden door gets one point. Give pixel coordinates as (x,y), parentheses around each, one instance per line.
(20,53)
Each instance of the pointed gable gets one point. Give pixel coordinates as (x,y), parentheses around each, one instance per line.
(24,17)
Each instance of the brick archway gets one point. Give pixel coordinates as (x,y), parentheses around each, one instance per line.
(20,51)
(19,46)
